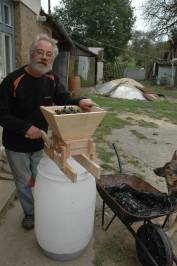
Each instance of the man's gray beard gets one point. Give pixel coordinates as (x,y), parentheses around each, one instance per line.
(40,68)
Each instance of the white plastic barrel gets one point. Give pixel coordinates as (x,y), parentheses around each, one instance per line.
(64,211)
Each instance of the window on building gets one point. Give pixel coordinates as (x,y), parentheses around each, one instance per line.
(5,54)
(6,37)
(6,14)
(0,12)
(8,53)
(2,70)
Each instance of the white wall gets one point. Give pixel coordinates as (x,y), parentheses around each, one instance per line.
(100,72)
(166,75)
(83,67)
(34,5)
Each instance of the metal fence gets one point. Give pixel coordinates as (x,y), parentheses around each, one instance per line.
(114,70)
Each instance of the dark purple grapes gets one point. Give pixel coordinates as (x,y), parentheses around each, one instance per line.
(67,110)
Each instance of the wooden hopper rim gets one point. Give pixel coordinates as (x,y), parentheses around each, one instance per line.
(51,116)
(83,112)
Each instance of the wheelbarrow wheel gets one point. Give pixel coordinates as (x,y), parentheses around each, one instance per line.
(156,242)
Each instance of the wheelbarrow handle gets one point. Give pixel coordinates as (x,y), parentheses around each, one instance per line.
(118,157)
(45,138)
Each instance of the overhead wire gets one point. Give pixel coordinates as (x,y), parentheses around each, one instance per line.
(122,49)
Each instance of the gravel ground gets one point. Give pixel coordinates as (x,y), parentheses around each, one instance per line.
(115,247)
(139,155)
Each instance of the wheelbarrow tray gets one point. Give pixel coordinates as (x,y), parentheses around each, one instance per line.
(136,183)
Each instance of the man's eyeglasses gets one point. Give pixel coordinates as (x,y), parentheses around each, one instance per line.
(42,52)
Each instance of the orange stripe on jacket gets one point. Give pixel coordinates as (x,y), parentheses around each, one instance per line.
(15,84)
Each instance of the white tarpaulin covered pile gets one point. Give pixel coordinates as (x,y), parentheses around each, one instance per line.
(126,88)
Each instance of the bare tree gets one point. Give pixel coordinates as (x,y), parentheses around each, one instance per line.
(162,15)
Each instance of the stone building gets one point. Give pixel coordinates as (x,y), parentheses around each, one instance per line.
(7,38)
(28,23)
(20,22)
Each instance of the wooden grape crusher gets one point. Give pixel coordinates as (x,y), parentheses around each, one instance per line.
(71,136)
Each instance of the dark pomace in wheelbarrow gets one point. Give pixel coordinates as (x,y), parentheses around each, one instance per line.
(67,110)
(142,203)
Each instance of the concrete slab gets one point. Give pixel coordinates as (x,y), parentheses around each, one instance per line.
(7,187)
(7,194)
(19,247)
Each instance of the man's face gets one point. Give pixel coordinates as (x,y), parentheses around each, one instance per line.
(41,59)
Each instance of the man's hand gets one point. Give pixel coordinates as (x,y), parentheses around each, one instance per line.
(33,133)
(86,104)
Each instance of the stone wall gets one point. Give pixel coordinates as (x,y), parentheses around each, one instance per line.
(26,28)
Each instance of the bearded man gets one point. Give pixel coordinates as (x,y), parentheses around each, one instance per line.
(22,93)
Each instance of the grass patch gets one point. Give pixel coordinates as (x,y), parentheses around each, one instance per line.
(109,251)
(143,123)
(106,158)
(138,134)
(130,119)
(154,109)
(109,122)
(165,109)
(107,167)
(104,155)
(136,163)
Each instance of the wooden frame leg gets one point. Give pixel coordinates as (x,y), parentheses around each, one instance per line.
(91,166)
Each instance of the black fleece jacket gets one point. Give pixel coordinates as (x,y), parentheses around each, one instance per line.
(21,96)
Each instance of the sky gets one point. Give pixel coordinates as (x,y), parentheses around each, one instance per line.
(140,23)
(137,4)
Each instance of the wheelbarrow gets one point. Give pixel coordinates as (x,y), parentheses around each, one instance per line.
(152,244)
